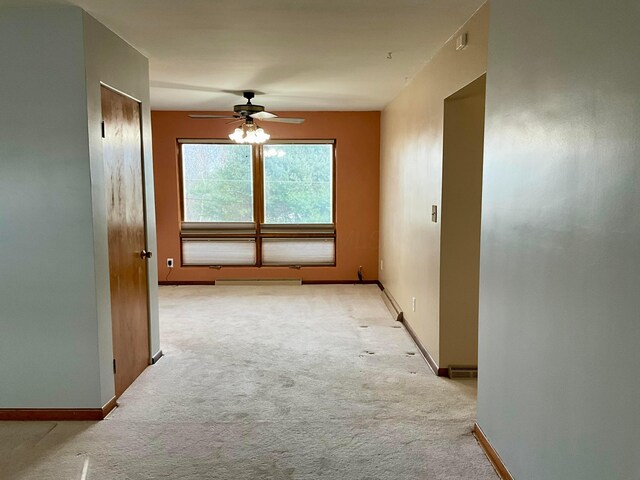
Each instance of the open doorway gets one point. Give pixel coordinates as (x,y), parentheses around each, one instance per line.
(463,145)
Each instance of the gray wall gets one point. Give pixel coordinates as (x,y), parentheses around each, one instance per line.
(55,315)
(560,262)
(48,328)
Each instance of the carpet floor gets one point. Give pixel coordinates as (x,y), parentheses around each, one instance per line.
(269,382)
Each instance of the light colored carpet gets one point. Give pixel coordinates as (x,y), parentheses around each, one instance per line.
(273,382)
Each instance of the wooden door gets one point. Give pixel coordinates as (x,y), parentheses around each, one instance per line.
(122,152)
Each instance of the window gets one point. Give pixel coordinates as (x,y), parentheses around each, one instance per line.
(298,184)
(270,204)
(217,183)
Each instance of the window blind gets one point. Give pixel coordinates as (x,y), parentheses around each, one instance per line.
(219,252)
(298,251)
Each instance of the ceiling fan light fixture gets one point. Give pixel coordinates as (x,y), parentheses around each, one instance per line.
(237,135)
(249,134)
(262,136)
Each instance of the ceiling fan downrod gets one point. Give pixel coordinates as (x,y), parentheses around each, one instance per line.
(248,96)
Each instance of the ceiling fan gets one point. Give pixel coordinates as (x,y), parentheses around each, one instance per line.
(250,112)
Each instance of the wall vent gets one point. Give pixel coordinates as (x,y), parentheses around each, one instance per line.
(259,281)
(463,372)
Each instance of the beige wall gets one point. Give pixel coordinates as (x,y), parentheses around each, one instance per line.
(460,228)
(111,61)
(411,179)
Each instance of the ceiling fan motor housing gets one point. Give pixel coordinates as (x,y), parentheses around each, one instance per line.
(247,109)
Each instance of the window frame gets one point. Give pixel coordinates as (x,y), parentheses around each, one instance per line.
(257,229)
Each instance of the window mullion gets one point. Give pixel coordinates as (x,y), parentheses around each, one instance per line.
(258,197)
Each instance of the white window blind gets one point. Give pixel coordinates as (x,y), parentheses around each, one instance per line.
(219,252)
(298,251)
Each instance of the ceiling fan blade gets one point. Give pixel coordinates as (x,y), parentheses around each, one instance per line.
(283,120)
(263,115)
(194,115)
(235,120)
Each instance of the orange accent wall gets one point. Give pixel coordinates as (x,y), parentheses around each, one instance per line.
(357,136)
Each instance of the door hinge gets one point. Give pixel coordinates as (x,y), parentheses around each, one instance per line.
(104,134)
(114,365)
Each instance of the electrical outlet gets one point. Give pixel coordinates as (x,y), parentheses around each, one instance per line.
(413,303)
(170,262)
(381,264)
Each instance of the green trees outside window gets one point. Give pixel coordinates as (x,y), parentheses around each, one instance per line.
(217,183)
(297,184)
(298,181)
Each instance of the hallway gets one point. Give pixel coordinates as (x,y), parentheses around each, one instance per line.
(273,382)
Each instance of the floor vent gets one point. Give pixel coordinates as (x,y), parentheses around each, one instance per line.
(259,281)
(463,372)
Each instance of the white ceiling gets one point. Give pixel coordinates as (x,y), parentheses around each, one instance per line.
(303,54)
